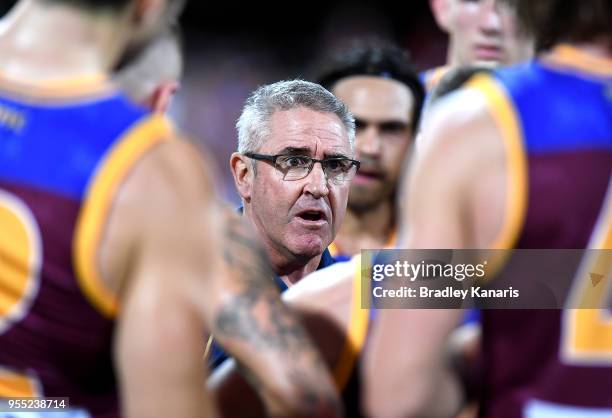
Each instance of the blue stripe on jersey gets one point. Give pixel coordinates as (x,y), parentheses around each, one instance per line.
(57,147)
(541,87)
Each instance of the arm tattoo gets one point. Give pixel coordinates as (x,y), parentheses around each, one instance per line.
(278,330)
(256,316)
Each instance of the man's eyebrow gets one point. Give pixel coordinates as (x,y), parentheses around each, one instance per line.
(389,124)
(335,155)
(394,125)
(294,151)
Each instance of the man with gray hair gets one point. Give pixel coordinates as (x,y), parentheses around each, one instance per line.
(293,170)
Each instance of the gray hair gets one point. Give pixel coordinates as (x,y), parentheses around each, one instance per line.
(253,126)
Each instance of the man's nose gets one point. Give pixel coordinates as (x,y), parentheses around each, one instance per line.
(490,20)
(316,182)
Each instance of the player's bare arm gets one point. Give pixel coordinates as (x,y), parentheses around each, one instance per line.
(408,347)
(215,279)
(254,326)
(323,301)
(151,245)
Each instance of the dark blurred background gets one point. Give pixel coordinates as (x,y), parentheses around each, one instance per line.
(231,48)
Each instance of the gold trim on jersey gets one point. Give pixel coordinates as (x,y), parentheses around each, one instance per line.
(356,330)
(18,385)
(334,249)
(507,121)
(392,241)
(92,85)
(97,202)
(568,56)
(433,77)
(587,332)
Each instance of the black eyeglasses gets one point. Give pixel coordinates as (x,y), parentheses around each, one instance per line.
(296,167)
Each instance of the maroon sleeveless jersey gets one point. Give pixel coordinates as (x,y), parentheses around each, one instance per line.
(62,155)
(554,363)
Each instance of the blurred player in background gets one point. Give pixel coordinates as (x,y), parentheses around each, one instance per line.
(479,32)
(376,81)
(464,342)
(540,179)
(100,202)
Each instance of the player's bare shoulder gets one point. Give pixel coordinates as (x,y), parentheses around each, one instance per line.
(459,118)
(327,289)
(165,195)
(462,145)
(176,169)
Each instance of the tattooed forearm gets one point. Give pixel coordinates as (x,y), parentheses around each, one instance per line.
(256,313)
(254,320)
(263,321)
(244,254)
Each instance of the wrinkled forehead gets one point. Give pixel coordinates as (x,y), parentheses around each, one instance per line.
(315,133)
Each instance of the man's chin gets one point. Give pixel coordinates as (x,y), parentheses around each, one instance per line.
(308,246)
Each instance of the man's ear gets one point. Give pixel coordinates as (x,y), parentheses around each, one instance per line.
(160,100)
(242,170)
(440,10)
(148,11)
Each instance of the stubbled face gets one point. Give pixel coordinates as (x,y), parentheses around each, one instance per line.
(383,110)
(300,218)
(485,31)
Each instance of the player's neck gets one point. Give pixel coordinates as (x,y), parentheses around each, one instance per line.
(42,42)
(366,229)
(452,56)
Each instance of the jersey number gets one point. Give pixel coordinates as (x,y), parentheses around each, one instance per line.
(20,263)
(587,332)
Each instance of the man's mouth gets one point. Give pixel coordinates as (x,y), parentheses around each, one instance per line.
(366,176)
(489,52)
(312,216)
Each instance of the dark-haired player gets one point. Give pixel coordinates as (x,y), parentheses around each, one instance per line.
(376,80)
